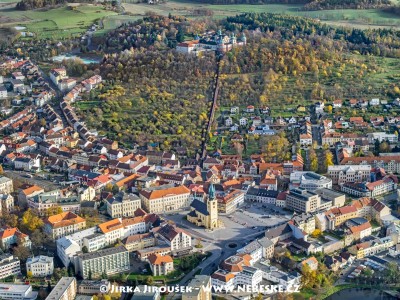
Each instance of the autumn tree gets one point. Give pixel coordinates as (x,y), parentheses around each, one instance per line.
(313,160)
(55,210)
(30,221)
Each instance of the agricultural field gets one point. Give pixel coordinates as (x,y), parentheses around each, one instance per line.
(368,18)
(60,22)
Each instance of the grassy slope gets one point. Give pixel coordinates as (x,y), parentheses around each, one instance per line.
(59,22)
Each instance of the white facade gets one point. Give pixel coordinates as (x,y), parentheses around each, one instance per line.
(249,276)
(110,261)
(65,289)
(349,173)
(40,266)
(10,291)
(9,266)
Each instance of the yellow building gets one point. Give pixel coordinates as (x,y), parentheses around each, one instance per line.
(205,214)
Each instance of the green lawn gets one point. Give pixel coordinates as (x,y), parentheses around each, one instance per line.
(58,22)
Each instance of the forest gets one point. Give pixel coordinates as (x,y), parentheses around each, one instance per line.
(33,4)
(380,42)
(315,4)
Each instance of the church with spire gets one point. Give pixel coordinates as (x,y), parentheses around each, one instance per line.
(205,214)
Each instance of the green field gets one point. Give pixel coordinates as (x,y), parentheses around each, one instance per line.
(368,18)
(59,22)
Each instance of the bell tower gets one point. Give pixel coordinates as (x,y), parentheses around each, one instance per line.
(212,208)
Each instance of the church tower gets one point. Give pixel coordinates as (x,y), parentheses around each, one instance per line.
(212,208)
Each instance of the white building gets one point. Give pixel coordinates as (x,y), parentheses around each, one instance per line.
(9,266)
(65,289)
(223,279)
(109,261)
(40,266)
(370,189)
(374,102)
(309,180)
(249,276)
(243,121)
(254,249)
(382,136)
(175,237)
(7,203)
(261,195)
(3,92)
(10,291)
(66,250)
(6,185)
(123,205)
(349,173)
(305,139)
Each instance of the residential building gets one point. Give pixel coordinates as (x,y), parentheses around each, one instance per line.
(9,265)
(223,279)
(201,288)
(29,192)
(27,164)
(7,203)
(63,224)
(230,200)
(305,139)
(371,189)
(311,262)
(10,236)
(176,238)
(9,291)
(106,261)
(162,200)
(160,264)
(139,241)
(66,250)
(123,205)
(65,289)
(249,276)
(40,266)
(6,185)
(305,222)
(261,195)
(391,164)
(382,136)
(349,173)
(92,287)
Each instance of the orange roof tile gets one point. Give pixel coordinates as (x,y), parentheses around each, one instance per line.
(110,225)
(156,194)
(157,259)
(64,219)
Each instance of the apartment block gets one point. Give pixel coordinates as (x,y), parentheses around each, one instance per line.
(109,261)
(65,289)
(9,265)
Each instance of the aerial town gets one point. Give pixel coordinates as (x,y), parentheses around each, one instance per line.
(79,211)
